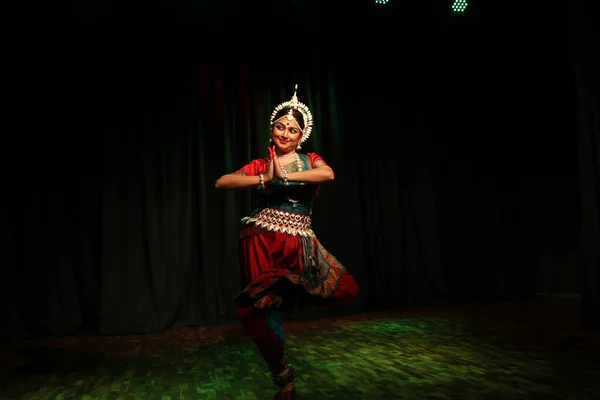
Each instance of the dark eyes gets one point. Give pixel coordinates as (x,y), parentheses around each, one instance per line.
(281,128)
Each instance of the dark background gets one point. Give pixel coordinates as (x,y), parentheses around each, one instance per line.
(465,149)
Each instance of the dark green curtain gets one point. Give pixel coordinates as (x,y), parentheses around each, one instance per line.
(586,63)
(116,224)
(444,190)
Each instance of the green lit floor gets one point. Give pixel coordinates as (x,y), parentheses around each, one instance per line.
(503,351)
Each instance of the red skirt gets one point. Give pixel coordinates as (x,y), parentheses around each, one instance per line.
(280,266)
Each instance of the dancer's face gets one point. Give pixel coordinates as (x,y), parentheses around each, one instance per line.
(286,134)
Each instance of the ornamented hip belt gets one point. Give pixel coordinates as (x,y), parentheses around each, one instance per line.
(283,221)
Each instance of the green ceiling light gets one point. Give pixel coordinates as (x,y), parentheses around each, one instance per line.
(459,6)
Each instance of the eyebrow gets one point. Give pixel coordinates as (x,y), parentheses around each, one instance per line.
(293,126)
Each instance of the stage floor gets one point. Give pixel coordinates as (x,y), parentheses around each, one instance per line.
(532,350)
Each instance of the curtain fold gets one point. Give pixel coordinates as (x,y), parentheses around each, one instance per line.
(586,64)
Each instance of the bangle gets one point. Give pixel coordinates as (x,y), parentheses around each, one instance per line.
(262,181)
(285,178)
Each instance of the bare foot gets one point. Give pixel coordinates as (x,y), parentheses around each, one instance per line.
(288,388)
(290,385)
(287,391)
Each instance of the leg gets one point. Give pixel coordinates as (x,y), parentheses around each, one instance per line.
(346,291)
(324,277)
(265,329)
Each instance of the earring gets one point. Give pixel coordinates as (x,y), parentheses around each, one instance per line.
(270,140)
(298,147)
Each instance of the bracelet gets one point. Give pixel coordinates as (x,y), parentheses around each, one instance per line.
(262,181)
(285,178)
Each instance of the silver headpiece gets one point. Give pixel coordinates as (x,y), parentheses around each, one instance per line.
(296,105)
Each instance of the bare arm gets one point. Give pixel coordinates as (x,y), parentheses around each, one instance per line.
(316,175)
(241,181)
(235,181)
(321,173)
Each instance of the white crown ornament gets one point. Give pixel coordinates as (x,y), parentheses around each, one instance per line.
(296,105)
